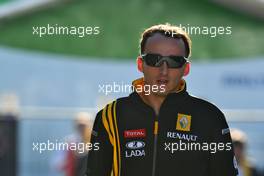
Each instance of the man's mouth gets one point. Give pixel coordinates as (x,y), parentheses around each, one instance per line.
(162,81)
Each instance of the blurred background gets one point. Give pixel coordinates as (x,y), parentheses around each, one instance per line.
(45,81)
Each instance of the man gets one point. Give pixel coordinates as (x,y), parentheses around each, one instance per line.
(245,166)
(151,135)
(73,162)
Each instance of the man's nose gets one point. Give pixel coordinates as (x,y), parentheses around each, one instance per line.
(164,68)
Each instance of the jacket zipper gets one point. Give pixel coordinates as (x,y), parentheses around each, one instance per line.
(156,126)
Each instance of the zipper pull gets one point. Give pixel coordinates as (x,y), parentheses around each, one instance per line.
(156,127)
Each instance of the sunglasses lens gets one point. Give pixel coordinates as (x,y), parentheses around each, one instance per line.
(176,61)
(152,59)
(155,60)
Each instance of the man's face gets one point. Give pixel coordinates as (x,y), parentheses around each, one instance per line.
(168,77)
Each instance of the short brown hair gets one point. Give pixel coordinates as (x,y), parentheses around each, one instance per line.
(167,30)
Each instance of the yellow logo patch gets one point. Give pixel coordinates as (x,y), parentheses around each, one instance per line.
(183,122)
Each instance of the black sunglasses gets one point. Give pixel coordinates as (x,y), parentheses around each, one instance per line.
(156,60)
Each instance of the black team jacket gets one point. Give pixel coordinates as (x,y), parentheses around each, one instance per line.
(189,137)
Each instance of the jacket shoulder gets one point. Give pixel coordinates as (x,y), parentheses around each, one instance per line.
(206,105)
(117,103)
(209,110)
(211,114)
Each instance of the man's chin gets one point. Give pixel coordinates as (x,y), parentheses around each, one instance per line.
(161,93)
(165,91)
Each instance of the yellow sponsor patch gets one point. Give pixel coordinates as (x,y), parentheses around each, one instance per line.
(183,122)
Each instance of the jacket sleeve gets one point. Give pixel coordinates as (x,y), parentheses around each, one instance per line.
(222,162)
(100,158)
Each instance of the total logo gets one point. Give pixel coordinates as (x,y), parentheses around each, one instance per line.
(135,149)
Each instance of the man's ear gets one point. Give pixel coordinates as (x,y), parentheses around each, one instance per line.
(140,63)
(187,69)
